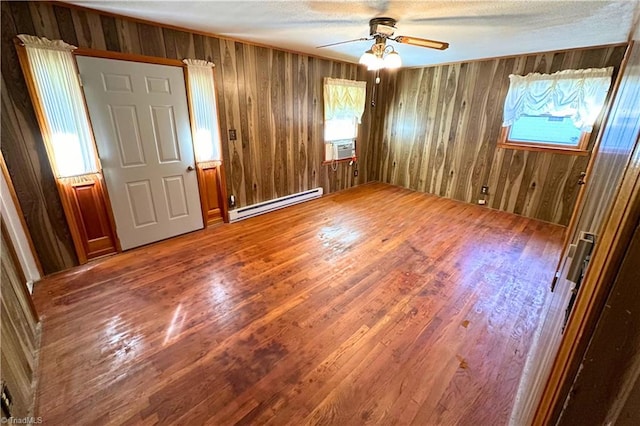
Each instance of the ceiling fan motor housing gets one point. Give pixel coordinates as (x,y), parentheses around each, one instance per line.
(382,27)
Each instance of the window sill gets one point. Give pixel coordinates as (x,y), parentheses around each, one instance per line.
(344,160)
(543,148)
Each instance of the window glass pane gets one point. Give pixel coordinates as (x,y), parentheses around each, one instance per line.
(337,129)
(545,129)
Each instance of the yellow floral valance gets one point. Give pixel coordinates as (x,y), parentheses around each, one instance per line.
(344,98)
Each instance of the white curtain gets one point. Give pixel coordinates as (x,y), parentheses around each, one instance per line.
(203,109)
(58,89)
(577,93)
(344,99)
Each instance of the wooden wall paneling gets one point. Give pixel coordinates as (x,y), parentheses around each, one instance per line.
(449,77)
(463,154)
(65,25)
(25,155)
(367,163)
(419,153)
(460,152)
(265,128)
(245,65)
(322,176)
(526,189)
(489,133)
(432,116)
(401,153)
(275,115)
(327,177)
(16,17)
(110,32)
(251,132)
(44,20)
(301,129)
(514,176)
(178,44)
(199,49)
(554,183)
(364,143)
(289,130)
(88,29)
(447,172)
(127,37)
(405,172)
(419,128)
(151,40)
(314,127)
(20,332)
(389,99)
(279,142)
(231,119)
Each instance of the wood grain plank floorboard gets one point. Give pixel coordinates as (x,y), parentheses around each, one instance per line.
(373,305)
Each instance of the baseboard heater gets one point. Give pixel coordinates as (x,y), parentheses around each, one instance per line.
(275,204)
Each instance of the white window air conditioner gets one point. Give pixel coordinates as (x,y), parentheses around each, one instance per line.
(343,149)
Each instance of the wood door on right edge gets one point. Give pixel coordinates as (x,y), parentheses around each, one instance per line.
(602,185)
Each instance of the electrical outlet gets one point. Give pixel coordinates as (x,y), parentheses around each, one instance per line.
(232,135)
(355,173)
(484,189)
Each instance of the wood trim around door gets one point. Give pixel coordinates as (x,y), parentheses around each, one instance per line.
(23,223)
(132,57)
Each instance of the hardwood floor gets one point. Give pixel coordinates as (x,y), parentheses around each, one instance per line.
(372,305)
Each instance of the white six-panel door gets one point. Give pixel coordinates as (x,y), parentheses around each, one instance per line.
(141,124)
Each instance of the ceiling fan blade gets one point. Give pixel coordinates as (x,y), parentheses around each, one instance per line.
(474,19)
(343,42)
(422,42)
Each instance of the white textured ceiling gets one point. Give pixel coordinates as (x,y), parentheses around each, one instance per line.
(474,29)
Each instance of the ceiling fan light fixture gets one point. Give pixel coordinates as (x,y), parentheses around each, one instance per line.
(376,64)
(392,60)
(381,56)
(367,58)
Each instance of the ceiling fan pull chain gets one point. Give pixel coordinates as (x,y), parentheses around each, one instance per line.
(375,88)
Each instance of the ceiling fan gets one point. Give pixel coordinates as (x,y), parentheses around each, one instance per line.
(381,55)
(382,29)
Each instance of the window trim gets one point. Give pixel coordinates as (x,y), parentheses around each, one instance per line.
(579,149)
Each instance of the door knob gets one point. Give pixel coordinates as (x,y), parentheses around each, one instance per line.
(190,169)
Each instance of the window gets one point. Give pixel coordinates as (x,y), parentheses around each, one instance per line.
(554,111)
(66,129)
(343,107)
(204,110)
(340,129)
